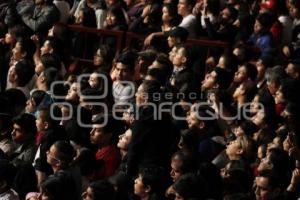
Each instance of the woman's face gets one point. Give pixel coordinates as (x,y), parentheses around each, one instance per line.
(17,52)
(111,19)
(98,59)
(9,38)
(73,92)
(165,14)
(124,140)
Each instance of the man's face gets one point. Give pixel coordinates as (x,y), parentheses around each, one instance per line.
(175,169)
(179,58)
(261,69)
(183,8)
(39,122)
(122,72)
(18,134)
(263,191)
(209,82)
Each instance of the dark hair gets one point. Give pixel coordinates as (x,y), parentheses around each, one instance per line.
(274,181)
(27,46)
(51,75)
(117,11)
(127,58)
(27,123)
(38,96)
(172,10)
(151,88)
(65,151)
(18,31)
(55,44)
(60,31)
(114,126)
(51,60)
(188,164)
(155,177)
(223,78)
(188,186)
(24,70)
(103,190)
(281,161)
(251,71)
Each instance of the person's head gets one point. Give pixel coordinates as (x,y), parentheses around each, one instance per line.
(295,9)
(182,57)
(201,117)
(267,186)
(7,175)
(60,155)
(185,7)
(180,165)
(276,160)
(53,188)
(73,93)
(46,78)
(21,73)
(48,60)
(177,36)
(24,48)
(145,59)
(169,14)
(188,142)
(44,120)
(102,56)
(262,23)
(245,92)
(14,33)
(187,187)
(124,140)
(147,93)
(217,79)
(245,72)
(37,98)
(87,17)
(228,15)
(24,128)
(101,189)
(150,180)
(261,66)
(246,128)
(59,30)
(237,148)
(115,17)
(293,70)
(50,46)
(105,130)
(275,77)
(124,68)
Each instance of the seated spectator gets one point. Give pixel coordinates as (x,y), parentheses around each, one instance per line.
(20,76)
(185,8)
(23,133)
(151,183)
(101,189)
(261,37)
(104,139)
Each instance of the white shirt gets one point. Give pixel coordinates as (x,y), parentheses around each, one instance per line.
(64,10)
(189,23)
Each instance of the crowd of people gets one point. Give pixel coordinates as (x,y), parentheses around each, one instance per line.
(161,120)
